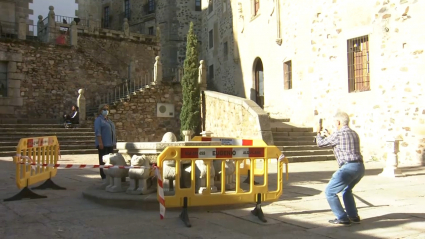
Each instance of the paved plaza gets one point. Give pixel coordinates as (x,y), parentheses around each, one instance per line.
(389,207)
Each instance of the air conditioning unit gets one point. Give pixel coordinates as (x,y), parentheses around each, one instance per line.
(164,110)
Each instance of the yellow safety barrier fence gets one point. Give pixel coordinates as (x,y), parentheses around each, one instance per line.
(205,157)
(246,165)
(31,154)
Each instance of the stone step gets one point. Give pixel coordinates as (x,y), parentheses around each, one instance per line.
(293,134)
(53,133)
(294,143)
(29,126)
(45,129)
(63,152)
(280,119)
(307,152)
(300,147)
(293,138)
(310,158)
(294,129)
(30,121)
(62,147)
(60,137)
(61,142)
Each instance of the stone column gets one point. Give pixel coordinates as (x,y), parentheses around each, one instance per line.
(202,81)
(126,28)
(51,31)
(81,103)
(202,77)
(22,28)
(40,27)
(391,169)
(74,34)
(157,70)
(279,35)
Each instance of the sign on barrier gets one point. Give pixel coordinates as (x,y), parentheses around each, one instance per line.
(184,197)
(41,152)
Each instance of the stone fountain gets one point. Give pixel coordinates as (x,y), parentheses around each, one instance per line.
(142,183)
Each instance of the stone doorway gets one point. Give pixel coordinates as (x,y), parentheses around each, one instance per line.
(259,82)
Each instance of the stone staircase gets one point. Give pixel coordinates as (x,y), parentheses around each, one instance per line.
(297,143)
(72,140)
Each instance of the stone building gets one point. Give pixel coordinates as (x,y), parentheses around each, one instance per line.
(87,8)
(146,17)
(10,10)
(306,59)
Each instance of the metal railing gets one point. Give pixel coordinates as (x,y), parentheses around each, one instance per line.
(64,19)
(46,21)
(121,92)
(172,74)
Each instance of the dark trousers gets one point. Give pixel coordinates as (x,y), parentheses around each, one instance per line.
(104,151)
(68,119)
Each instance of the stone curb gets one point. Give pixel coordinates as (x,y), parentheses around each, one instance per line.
(100,196)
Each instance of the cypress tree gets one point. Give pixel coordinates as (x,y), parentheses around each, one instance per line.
(190,116)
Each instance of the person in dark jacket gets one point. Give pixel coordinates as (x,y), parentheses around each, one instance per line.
(73,118)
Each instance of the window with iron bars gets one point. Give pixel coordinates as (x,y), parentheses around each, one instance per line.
(358,64)
(287,75)
(225,50)
(127,9)
(106,17)
(3,79)
(198,5)
(151,6)
(211,73)
(211,39)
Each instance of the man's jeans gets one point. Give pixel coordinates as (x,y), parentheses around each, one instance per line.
(344,181)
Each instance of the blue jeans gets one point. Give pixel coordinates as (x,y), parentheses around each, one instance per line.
(344,181)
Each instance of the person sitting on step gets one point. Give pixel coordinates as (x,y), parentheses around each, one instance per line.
(73,118)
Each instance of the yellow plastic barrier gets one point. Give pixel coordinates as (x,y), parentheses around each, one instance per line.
(257,193)
(246,165)
(36,151)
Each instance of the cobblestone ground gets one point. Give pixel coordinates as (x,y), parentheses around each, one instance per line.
(390,208)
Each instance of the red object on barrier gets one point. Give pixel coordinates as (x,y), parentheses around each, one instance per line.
(161,197)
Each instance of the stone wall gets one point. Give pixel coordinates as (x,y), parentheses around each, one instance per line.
(119,54)
(87,8)
(173,18)
(394,107)
(136,120)
(313,36)
(226,76)
(231,116)
(47,77)
(138,12)
(10,10)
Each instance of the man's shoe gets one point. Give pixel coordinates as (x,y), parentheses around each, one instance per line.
(355,219)
(336,221)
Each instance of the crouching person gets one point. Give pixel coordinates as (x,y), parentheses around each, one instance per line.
(346,147)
